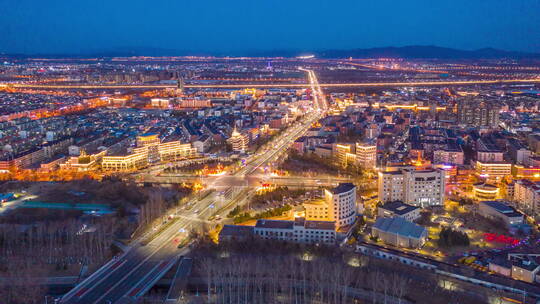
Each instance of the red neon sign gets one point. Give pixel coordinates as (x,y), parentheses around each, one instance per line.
(499,238)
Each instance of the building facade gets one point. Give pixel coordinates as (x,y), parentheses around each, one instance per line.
(297,231)
(399,209)
(420,188)
(149,151)
(366,155)
(497,210)
(527,196)
(239,142)
(399,232)
(341,203)
(493,171)
(478,113)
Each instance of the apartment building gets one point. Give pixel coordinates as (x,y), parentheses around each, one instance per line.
(527,196)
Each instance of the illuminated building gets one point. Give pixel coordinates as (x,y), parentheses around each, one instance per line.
(317,211)
(485,192)
(525,270)
(448,155)
(527,196)
(493,171)
(497,210)
(180,84)
(344,154)
(297,231)
(525,172)
(148,139)
(35,156)
(150,144)
(366,155)
(175,150)
(399,209)
(83,162)
(159,102)
(239,142)
(342,204)
(194,103)
(478,113)
(135,160)
(339,206)
(399,232)
(149,151)
(421,188)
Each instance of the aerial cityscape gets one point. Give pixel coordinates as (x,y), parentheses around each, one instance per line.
(229,159)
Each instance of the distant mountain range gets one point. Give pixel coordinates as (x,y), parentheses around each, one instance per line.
(426,52)
(407,52)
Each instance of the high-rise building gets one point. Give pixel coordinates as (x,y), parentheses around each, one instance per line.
(339,206)
(421,188)
(478,113)
(180,84)
(366,155)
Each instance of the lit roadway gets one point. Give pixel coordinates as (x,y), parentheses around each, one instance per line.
(253,181)
(121,279)
(281,85)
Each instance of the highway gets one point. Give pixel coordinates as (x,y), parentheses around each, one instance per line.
(279,85)
(114,282)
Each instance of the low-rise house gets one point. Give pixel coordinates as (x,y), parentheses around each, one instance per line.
(500,211)
(399,209)
(297,231)
(399,232)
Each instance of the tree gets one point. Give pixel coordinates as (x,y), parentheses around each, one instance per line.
(450,238)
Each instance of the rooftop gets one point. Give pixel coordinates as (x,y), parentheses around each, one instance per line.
(502,208)
(236,230)
(398,207)
(274,224)
(343,187)
(399,226)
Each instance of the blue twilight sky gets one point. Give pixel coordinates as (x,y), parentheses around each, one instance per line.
(84,26)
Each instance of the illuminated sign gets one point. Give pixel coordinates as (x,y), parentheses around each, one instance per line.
(499,238)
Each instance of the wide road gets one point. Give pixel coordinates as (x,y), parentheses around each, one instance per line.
(115,280)
(253,181)
(268,86)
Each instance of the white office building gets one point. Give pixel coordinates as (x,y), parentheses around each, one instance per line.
(420,188)
(297,231)
(341,204)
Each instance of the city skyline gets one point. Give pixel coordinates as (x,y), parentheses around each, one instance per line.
(269,152)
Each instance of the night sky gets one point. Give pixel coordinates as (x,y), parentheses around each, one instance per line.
(87,26)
